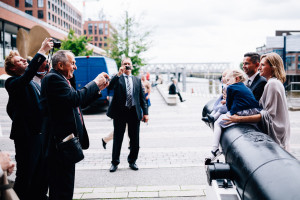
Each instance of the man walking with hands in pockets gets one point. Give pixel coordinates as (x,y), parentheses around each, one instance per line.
(127,107)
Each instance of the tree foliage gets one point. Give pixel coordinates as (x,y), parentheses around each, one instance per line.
(129,40)
(76,44)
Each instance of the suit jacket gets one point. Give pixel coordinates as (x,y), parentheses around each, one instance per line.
(257,86)
(172,89)
(23,106)
(61,102)
(119,99)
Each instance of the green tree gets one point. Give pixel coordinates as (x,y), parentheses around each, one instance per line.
(76,44)
(129,40)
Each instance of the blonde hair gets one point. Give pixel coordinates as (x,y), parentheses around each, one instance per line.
(9,63)
(237,73)
(276,64)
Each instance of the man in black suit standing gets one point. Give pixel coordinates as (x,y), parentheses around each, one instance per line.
(127,107)
(255,82)
(173,89)
(64,119)
(24,109)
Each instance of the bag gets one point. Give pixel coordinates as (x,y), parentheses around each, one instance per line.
(6,190)
(71,150)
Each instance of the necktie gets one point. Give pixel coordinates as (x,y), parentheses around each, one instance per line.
(248,83)
(128,92)
(78,110)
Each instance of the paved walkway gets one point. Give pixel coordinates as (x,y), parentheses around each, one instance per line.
(140,192)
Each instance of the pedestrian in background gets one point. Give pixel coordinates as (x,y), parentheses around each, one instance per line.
(24,109)
(125,108)
(147,90)
(174,90)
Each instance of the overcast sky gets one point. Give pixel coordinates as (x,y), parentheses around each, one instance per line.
(188,31)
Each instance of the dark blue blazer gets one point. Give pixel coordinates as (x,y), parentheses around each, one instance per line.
(119,99)
(23,105)
(239,97)
(257,86)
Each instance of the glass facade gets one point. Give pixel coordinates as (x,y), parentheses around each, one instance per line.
(28,3)
(29,12)
(40,3)
(40,14)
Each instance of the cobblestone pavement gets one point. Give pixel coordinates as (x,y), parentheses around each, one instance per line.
(173,148)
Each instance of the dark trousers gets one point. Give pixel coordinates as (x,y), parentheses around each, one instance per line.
(31,176)
(61,177)
(178,93)
(128,117)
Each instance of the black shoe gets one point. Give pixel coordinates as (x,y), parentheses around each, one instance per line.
(113,168)
(211,118)
(103,144)
(133,166)
(183,100)
(205,119)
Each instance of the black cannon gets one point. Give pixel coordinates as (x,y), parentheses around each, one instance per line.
(259,167)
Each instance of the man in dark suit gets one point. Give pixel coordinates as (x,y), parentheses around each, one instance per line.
(255,82)
(127,107)
(173,89)
(24,109)
(64,119)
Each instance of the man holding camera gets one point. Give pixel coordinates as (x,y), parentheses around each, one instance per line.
(127,107)
(24,109)
(64,119)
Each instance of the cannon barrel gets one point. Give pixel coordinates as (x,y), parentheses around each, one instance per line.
(258,166)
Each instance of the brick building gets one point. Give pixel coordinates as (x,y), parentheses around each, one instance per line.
(100,31)
(58,13)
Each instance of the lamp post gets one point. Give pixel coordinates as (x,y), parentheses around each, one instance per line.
(284,51)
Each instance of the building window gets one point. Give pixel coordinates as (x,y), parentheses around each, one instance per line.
(53,7)
(100,38)
(58,21)
(52,17)
(49,16)
(95,29)
(90,28)
(100,44)
(105,44)
(100,29)
(299,66)
(105,38)
(290,62)
(29,12)
(40,14)
(84,32)
(96,38)
(17,3)
(28,3)
(55,19)
(106,29)
(40,3)
(48,4)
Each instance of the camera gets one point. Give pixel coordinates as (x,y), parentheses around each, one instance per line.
(56,44)
(128,68)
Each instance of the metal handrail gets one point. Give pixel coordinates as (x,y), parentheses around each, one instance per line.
(291,84)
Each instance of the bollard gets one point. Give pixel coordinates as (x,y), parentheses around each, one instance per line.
(258,167)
